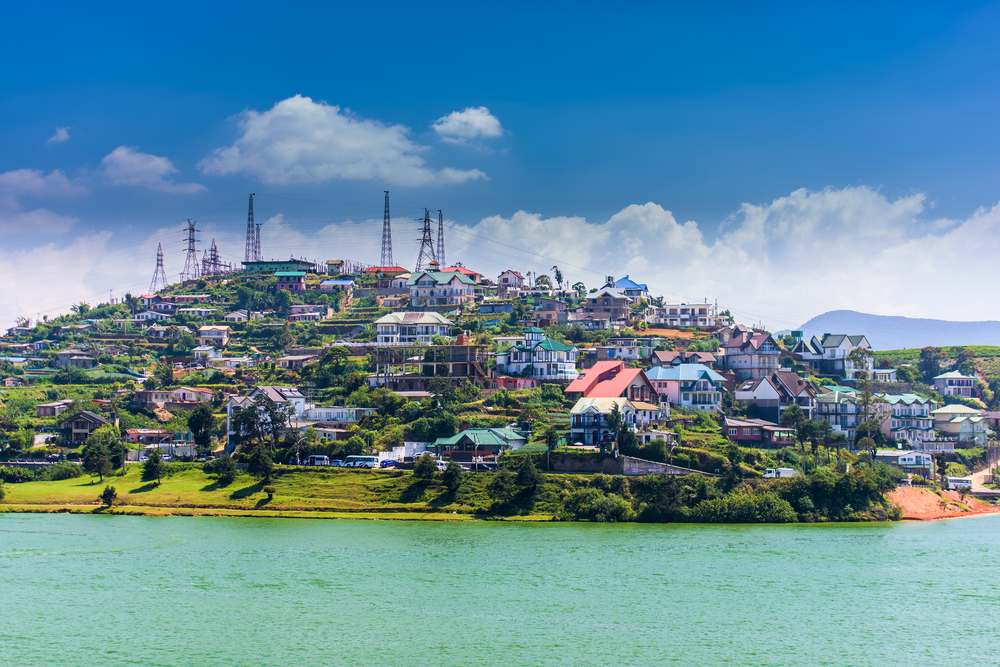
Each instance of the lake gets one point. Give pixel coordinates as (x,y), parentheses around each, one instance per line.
(106,590)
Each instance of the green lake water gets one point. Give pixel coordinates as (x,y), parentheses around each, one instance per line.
(95,590)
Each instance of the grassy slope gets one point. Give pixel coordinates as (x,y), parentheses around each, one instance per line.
(305,493)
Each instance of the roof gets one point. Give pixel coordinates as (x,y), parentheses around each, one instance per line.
(512,272)
(384,269)
(684,373)
(337,282)
(289,274)
(195,389)
(545,344)
(460,269)
(86,414)
(429,317)
(609,291)
(533,330)
(956,409)
(954,375)
(440,277)
(641,405)
(483,436)
(667,357)
(627,283)
(836,340)
(278,394)
(606,380)
(760,423)
(602,405)
(755,341)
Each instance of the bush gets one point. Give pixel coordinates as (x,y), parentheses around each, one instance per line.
(224,469)
(425,467)
(108,496)
(13,475)
(595,505)
(269,490)
(61,470)
(744,507)
(452,476)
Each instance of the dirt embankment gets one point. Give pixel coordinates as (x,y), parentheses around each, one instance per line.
(926,505)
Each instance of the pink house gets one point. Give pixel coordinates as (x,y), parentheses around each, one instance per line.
(512,384)
(291,280)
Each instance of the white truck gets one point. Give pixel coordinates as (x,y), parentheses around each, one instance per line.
(771,473)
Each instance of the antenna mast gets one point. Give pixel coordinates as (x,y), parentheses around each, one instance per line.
(159,276)
(386,235)
(250,256)
(426,255)
(440,250)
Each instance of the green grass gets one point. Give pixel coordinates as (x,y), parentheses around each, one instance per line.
(187,490)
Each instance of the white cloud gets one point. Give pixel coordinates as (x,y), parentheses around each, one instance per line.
(60,137)
(463,127)
(15,185)
(302,141)
(125,165)
(782,262)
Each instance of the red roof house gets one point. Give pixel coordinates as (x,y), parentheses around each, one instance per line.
(611,379)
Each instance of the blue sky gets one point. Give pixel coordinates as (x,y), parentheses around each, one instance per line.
(844,143)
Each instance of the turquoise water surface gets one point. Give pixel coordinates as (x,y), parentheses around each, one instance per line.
(103,590)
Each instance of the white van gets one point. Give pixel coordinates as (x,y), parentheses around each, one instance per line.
(361,461)
(318,460)
(771,473)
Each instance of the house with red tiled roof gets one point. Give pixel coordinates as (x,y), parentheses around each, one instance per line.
(469,273)
(612,379)
(508,280)
(678,357)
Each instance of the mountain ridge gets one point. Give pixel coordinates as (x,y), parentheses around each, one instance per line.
(894,332)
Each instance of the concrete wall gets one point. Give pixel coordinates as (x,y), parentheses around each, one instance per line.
(623,465)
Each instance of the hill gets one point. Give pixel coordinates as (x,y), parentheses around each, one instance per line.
(886,332)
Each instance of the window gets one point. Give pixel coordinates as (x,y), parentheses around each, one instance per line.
(732,431)
(756,431)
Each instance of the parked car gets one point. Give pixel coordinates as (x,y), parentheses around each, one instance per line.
(337,463)
(388,463)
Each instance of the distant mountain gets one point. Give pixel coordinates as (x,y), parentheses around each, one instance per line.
(886,332)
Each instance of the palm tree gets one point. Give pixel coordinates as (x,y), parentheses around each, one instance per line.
(80,308)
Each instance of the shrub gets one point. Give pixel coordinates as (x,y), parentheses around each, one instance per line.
(269,490)
(452,476)
(61,470)
(425,467)
(13,475)
(224,469)
(595,505)
(108,496)
(744,507)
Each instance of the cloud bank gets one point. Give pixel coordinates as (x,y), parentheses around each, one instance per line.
(60,137)
(302,141)
(781,262)
(126,165)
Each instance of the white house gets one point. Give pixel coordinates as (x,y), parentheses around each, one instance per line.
(509,280)
(214,335)
(540,357)
(955,384)
(437,288)
(589,417)
(689,385)
(828,353)
(285,395)
(402,328)
(695,315)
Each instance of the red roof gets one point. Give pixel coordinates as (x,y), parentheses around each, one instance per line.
(385,269)
(460,269)
(607,379)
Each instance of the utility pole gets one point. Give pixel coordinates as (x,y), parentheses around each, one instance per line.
(426,255)
(159,276)
(440,248)
(386,235)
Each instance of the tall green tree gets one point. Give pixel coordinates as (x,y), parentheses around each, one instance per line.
(528,476)
(930,362)
(154,467)
(501,486)
(452,476)
(551,442)
(201,421)
(260,464)
(99,450)
(872,409)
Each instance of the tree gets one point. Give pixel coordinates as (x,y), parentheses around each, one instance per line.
(164,374)
(108,496)
(81,308)
(244,296)
(501,486)
(872,409)
(154,467)
(97,453)
(425,467)
(543,281)
(558,274)
(615,422)
(224,469)
(201,421)
(965,362)
(580,287)
(930,362)
(551,442)
(528,476)
(792,417)
(452,476)
(283,301)
(260,464)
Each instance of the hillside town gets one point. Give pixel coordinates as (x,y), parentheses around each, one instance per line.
(337,363)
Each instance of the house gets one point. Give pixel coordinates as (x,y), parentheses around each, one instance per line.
(960,423)
(909,419)
(678,357)
(840,410)
(828,354)
(147,436)
(75,358)
(631,289)
(196,311)
(612,379)
(758,433)
(509,280)
(237,316)
(231,362)
(884,375)
(703,316)
(610,303)
(296,361)
(775,393)
(337,414)
(496,307)
(53,409)
(345,286)
(956,384)
(751,356)
(191,395)
(384,271)
(689,385)
(309,313)
(588,422)
(588,321)
(912,462)
(468,273)
(276,394)
(474,443)
(539,357)
(159,331)
(79,427)
(215,335)
(12,382)
(334,266)
(152,316)
(205,352)
(435,288)
(627,349)
(512,383)
(294,281)
(403,328)
(190,298)
(272,266)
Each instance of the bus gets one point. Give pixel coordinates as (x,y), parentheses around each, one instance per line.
(361,461)
(955,483)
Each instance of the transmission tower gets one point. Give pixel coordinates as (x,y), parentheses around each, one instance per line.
(159,276)
(440,251)
(386,235)
(426,244)
(258,256)
(250,256)
(191,261)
